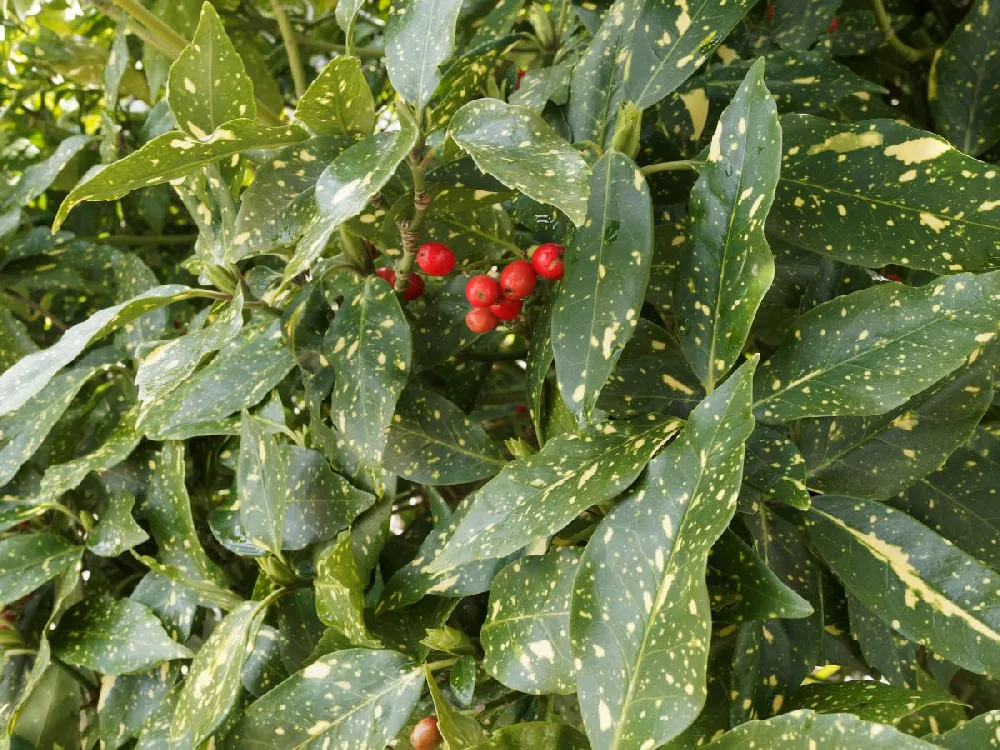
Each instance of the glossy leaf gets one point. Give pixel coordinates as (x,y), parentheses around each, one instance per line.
(540,494)
(419,37)
(982,731)
(352,698)
(869,701)
(868,352)
(340,591)
(459,732)
(801,729)
(516,146)
(643,640)
(797,23)
(261,486)
(774,467)
(29,560)
(338,102)
(882,647)
(728,265)
(525,638)
(127,700)
(598,304)
(536,735)
(116,531)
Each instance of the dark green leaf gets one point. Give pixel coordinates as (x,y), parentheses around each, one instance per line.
(116,530)
(869,701)
(883,648)
(127,700)
(797,23)
(29,560)
(340,591)
(774,467)
(459,732)
(419,37)
(406,630)
(803,729)
(338,101)
(981,732)
(261,487)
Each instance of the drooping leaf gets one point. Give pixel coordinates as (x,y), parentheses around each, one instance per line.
(797,23)
(538,495)
(174,155)
(431,441)
(32,373)
(516,146)
(802,729)
(352,698)
(419,37)
(207,85)
(924,587)
(340,591)
(868,352)
(459,731)
(728,265)
(113,636)
(917,203)
(36,179)
(598,304)
(869,701)
(338,102)
(882,647)
(774,467)
(174,604)
(964,85)
(525,638)
(29,560)
(643,639)
(127,700)
(116,530)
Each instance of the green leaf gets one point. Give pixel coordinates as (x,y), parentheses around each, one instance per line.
(113,636)
(29,560)
(32,373)
(261,487)
(127,700)
(462,680)
(163,368)
(241,374)
(598,304)
(774,467)
(642,640)
(869,701)
(882,647)
(536,735)
(207,85)
(211,689)
(116,531)
(345,13)
(36,179)
(983,731)
(15,341)
(798,23)
(918,202)
(24,431)
(539,85)
(340,592)
(756,592)
(174,604)
(671,40)
(338,102)
(959,499)
(516,146)
(728,265)
(918,582)
(432,442)
(419,37)
(174,155)
(460,732)
(50,714)
(525,638)
(868,352)
(538,495)
(370,349)
(353,698)
(964,85)
(878,457)
(536,372)
(803,729)
(406,630)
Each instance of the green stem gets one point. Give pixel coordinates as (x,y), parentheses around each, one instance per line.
(910,54)
(342,49)
(672,166)
(355,253)
(291,48)
(409,229)
(434,666)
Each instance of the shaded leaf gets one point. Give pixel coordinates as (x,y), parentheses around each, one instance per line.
(127,700)
(116,531)
(536,735)
(459,732)
(774,467)
(797,23)
(983,731)
(831,732)
(29,560)
(340,592)
(869,701)
(261,487)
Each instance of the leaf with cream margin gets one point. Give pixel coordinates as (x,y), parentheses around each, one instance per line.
(642,639)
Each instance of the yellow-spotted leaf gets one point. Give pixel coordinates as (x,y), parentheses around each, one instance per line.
(870,701)
(917,202)
(525,637)
(538,495)
(803,730)
(923,586)
(261,486)
(338,102)
(642,639)
(727,265)
(340,591)
(29,560)
(419,37)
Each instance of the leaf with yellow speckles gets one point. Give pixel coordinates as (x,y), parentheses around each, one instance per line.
(917,202)
(775,468)
(923,586)
(340,591)
(29,560)
(525,637)
(894,657)
(538,495)
(370,349)
(597,307)
(419,37)
(352,698)
(536,735)
(116,531)
(173,156)
(804,729)
(127,700)
(207,85)
(432,442)
(983,732)
(866,353)
(338,102)
(869,701)
(642,639)
(517,146)
(459,731)
(964,85)
(261,488)
(797,23)
(727,266)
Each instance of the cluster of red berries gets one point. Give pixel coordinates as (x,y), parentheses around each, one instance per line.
(494,300)
(434,259)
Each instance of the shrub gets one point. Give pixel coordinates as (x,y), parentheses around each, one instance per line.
(509,376)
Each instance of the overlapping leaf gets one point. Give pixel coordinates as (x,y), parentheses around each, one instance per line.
(419,37)
(29,560)
(338,102)
(802,729)
(340,591)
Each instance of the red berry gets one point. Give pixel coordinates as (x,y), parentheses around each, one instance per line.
(425,735)
(547,260)
(435,259)
(414,287)
(386,272)
(481,320)
(482,291)
(517,280)
(889,275)
(833,25)
(770,12)
(520,75)
(507,309)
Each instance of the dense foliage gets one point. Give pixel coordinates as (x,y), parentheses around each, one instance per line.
(506,375)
